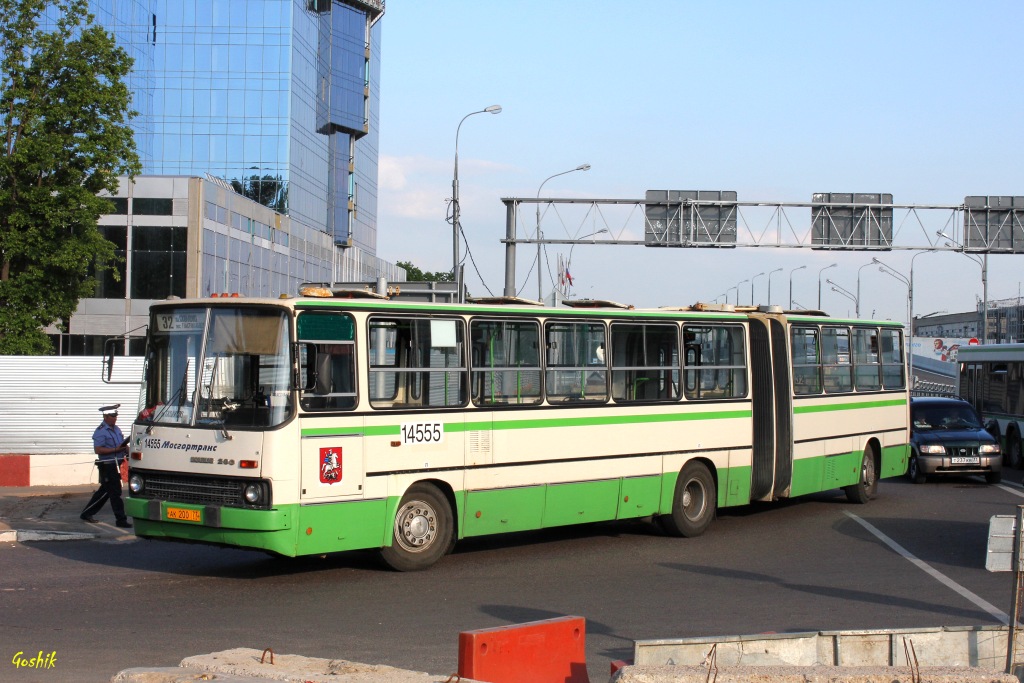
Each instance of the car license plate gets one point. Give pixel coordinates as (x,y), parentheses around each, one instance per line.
(964,461)
(184,514)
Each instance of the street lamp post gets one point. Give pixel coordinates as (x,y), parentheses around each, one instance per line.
(983,262)
(819,281)
(909,282)
(869,263)
(581,167)
(493,109)
(791,284)
(752,287)
(777,270)
(738,290)
(848,294)
(569,259)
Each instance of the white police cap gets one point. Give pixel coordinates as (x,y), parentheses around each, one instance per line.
(110,410)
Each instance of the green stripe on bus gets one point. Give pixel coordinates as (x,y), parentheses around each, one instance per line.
(542,423)
(848,406)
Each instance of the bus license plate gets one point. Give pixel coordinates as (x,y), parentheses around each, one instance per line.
(185,515)
(965,461)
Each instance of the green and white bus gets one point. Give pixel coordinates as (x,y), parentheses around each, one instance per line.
(308,425)
(992,379)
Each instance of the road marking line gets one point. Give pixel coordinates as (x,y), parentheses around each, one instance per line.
(997,613)
(1015,491)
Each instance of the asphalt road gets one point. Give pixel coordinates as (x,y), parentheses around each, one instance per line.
(802,565)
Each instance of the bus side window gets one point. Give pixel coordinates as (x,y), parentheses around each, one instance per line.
(417,362)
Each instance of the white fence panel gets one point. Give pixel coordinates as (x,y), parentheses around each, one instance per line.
(50,404)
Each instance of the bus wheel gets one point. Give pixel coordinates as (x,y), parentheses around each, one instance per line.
(865,489)
(693,505)
(423,530)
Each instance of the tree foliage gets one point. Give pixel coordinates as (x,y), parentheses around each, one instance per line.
(414,274)
(64,126)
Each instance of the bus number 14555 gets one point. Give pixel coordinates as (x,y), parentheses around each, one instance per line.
(422,432)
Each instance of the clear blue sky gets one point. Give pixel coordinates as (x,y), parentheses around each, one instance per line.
(775,100)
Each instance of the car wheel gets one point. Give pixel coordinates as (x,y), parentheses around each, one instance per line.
(1013,451)
(915,473)
(994,477)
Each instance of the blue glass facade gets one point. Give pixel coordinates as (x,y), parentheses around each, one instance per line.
(277,97)
(274,103)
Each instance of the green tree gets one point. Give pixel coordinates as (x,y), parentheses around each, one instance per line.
(414,274)
(64,114)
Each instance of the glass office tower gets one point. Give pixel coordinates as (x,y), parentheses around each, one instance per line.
(269,101)
(278,98)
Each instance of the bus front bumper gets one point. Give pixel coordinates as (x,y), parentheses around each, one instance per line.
(270,530)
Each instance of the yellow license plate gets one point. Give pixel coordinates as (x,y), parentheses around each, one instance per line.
(184,514)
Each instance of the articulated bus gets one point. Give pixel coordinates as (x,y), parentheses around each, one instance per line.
(308,425)
(992,380)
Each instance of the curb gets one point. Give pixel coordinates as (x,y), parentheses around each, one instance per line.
(22,536)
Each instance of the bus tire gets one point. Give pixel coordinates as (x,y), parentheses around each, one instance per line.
(866,487)
(693,503)
(423,530)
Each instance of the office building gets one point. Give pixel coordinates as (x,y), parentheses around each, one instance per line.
(257,131)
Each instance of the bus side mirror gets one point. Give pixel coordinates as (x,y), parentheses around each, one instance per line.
(109,350)
(992,427)
(305,373)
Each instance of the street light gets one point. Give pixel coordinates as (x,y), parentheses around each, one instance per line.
(569,260)
(752,287)
(493,109)
(738,290)
(581,167)
(791,284)
(983,262)
(910,304)
(869,263)
(777,270)
(848,294)
(819,281)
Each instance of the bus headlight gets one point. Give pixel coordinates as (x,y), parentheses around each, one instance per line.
(136,483)
(253,493)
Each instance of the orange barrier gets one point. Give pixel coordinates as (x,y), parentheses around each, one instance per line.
(546,651)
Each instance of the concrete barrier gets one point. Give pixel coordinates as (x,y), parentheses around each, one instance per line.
(961,646)
(806,674)
(246,665)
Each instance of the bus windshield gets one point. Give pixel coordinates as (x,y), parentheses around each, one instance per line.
(218,367)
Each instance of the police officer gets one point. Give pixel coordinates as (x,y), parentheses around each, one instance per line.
(112,448)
